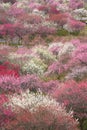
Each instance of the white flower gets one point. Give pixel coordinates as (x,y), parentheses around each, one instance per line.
(67,48)
(5,5)
(32,101)
(45,54)
(34,66)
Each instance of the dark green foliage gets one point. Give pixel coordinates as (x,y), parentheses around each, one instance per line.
(84,125)
(48,40)
(62,32)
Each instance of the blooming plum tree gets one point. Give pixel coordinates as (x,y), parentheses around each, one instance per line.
(73,95)
(36,111)
(75,4)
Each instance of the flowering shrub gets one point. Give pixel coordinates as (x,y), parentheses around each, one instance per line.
(35,80)
(44,54)
(37,17)
(31,82)
(49,86)
(76,42)
(29,100)
(36,111)
(80,14)
(4,50)
(75,25)
(3,99)
(67,49)
(45,118)
(5,113)
(60,18)
(18,58)
(77,73)
(56,68)
(63,51)
(23,50)
(79,56)
(74,96)
(13,84)
(34,66)
(75,4)
(54,48)
(9,83)
(9,69)
(45,29)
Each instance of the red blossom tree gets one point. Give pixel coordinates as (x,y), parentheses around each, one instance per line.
(60,18)
(9,69)
(6,114)
(45,118)
(74,96)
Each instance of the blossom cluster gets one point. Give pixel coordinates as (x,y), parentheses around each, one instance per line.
(24,18)
(43,76)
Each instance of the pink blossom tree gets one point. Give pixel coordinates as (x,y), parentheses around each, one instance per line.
(75,4)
